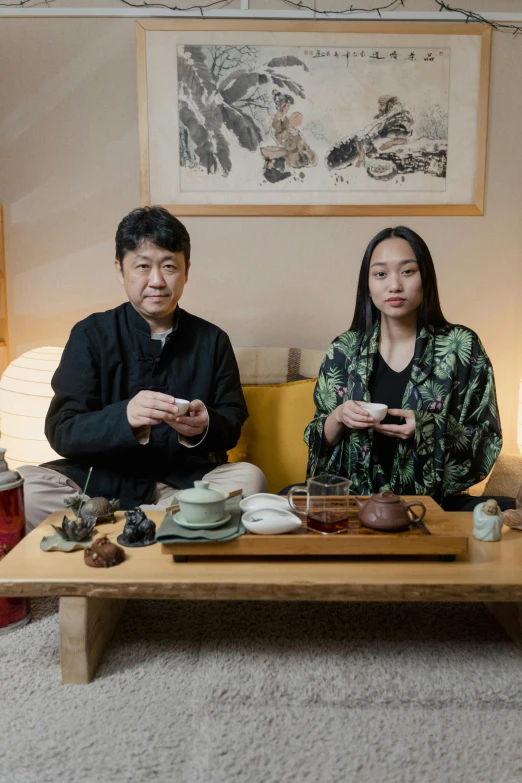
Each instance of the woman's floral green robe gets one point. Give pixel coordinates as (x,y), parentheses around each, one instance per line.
(452,391)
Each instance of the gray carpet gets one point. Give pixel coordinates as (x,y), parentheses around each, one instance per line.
(268,693)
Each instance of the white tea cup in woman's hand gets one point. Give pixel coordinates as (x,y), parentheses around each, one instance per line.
(353,416)
(377,410)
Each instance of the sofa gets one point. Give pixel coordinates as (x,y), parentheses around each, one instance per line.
(278,384)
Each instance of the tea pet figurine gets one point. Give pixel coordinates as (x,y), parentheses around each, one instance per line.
(513,518)
(487,521)
(99,509)
(103,554)
(139,530)
(73,534)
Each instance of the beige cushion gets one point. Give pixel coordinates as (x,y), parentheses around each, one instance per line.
(478,489)
(277,365)
(506,477)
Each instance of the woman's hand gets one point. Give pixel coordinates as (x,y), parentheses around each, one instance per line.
(402,431)
(353,416)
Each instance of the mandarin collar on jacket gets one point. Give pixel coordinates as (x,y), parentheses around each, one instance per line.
(139,324)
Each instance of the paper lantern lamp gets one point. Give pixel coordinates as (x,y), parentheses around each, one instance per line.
(25,396)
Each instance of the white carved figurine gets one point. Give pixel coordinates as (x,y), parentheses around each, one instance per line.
(487,521)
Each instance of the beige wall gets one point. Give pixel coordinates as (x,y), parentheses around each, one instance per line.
(69,172)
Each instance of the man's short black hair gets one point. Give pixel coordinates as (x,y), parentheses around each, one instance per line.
(155,225)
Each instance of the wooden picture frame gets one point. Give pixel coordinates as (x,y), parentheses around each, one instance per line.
(353,146)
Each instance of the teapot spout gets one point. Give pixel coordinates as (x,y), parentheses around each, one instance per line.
(360,503)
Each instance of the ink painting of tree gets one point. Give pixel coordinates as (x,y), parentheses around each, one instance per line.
(227,88)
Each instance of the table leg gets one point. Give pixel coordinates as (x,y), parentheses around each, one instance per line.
(509,615)
(86,626)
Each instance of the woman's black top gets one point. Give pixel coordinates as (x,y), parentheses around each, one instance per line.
(388,387)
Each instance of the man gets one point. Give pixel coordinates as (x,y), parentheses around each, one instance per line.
(114,405)
(393,123)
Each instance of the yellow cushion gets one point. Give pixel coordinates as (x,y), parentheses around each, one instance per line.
(272,436)
(239,452)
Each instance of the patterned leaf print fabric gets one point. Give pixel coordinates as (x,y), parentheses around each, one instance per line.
(452,391)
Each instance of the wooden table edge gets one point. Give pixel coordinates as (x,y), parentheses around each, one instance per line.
(263,591)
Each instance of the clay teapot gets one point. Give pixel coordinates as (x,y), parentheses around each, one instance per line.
(385,511)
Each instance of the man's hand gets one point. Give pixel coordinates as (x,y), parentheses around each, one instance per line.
(402,431)
(150,407)
(194,423)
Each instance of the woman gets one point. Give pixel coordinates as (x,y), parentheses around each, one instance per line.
(442,433)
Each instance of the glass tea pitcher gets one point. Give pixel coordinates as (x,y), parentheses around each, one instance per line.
(326,502)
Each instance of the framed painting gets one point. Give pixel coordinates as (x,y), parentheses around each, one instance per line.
(313,118)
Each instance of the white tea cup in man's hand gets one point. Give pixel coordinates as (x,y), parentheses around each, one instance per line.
(377,410)
(182,405)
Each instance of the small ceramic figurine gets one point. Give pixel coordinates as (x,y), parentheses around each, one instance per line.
(513,516)
(75,529)
(139,530)
(103,554)
(73,534)
(99,509)
(487,521)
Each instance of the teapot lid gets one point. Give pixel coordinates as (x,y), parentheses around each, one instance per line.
(386,497)
(200,493)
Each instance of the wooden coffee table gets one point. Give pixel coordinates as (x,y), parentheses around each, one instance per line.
(91,600)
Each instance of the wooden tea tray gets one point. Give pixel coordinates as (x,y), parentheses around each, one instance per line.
(446,540)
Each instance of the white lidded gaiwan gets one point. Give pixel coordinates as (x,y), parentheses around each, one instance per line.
(270,521)
(202,505)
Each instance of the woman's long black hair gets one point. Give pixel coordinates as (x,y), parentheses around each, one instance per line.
(429,314)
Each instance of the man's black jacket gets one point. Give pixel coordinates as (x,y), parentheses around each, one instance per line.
(108,359)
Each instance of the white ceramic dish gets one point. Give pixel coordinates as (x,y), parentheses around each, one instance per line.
(180,520)
(270,521)
(264,500)
(377,410)
(182,406)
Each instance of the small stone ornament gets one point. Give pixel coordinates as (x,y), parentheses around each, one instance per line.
(487,521)
(139,530)
(75,529)
(99,509)
(513,516)
(103,554)
(73,534)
